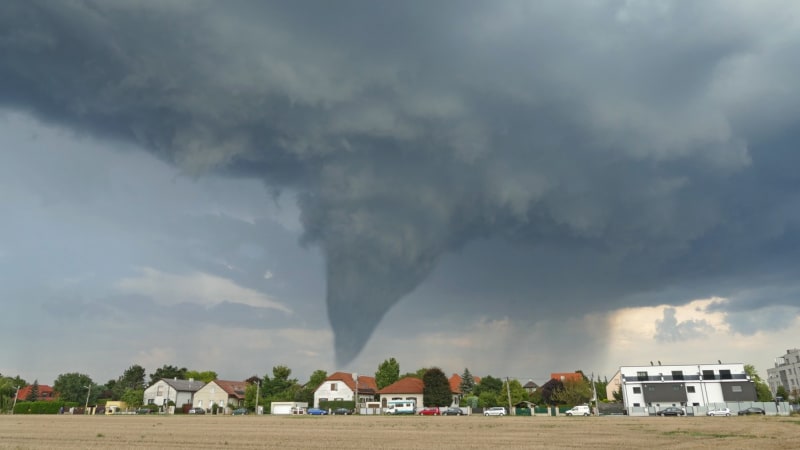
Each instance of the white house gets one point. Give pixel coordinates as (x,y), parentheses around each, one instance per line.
(342,386)
(180,392)
(786,373)
(221,393)
(647,389)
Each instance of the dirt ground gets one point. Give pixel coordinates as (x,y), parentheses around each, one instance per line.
(381,432)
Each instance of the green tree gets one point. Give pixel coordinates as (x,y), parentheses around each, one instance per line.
(306,393)
(204,376)
(618,394)
(467,382)
(280,387)
(132,378)
(488,384)
(168,372)
(133,397)
(388,373)
(781,392)
(600,386)
(573,392)
(763,393)
(8,389)
(73,387)
(33,394)
(488,399)
(437,389)
(518,393)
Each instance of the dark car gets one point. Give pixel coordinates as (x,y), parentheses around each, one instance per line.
(143,411)
(197,411)
(752,410)
(453,412)
(671,411)
(342,411)
(240,412)
(316,412)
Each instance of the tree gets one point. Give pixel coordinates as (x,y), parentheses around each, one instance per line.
(306,394)
(205,376)
(437,389)
(8,389)
(548,390)
(600,387)
(763,393)
(132,378)
(573,392)
(280,387)
(518,393)
(467,382)
(488,384)
(73,387)
(781,392)
(33,394)
(133,397)
(388,373)
(618,394)
(168,372)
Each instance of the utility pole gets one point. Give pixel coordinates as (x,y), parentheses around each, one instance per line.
(86,407)
(508,391)
(594,394)
(258,392)
(356,397)
(15,400)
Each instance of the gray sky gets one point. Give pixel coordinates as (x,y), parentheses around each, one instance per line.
(515,187)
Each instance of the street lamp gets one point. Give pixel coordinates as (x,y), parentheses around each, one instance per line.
(86,406)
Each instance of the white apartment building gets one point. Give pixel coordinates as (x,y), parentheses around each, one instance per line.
(786,373)
(654,387)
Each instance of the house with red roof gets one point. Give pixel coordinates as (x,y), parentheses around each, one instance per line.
(408,388)
(222,393)
(566,376)
(455,387)
(343,386)
(46,393)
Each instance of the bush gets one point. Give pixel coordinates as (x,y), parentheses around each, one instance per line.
(42,407)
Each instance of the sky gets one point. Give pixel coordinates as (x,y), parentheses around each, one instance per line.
(513,187)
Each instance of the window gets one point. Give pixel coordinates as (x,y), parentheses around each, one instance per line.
(641,376)
(637,390)
(695,404)
(708,375)
(736,389)
(160,391)
(636,405)
(334,387)
(690,389)
(677,374)
(651,388)
(725,375)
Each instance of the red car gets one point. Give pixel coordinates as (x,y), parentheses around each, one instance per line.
(430,411)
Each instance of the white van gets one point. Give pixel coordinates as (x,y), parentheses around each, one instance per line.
(395,407)
(580,410)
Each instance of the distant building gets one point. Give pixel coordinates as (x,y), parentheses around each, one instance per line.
(46,393)
(786,373)
(166,390)
(566,376)
(698,385)
(342,386)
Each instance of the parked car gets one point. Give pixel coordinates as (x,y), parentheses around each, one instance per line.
(342,411)
(240,412)
(430,411)
(317,412)
(579,410)
(197,411)
(453,412)
(495,411)
(671,411)
(719,412)
(143,411)
(751,410)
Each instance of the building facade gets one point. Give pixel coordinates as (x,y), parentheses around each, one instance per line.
(166,390)
(691,385)
(786,373)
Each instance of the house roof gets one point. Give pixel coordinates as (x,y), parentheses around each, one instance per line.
(408,385)
(530,385)
(46,393)
(232,388)
(366,385)
(184,385)
(455,383)
(564,376)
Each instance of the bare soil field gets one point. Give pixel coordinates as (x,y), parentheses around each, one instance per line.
(381,432)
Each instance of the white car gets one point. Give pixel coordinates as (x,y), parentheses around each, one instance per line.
(719,412)
(580,410)
(495,411)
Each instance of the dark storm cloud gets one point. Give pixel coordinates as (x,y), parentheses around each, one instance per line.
(618,147)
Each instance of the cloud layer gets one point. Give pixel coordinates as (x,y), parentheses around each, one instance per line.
(588,157)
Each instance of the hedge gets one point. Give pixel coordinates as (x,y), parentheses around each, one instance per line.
(42,407)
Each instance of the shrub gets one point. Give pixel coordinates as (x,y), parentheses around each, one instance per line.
(42,407)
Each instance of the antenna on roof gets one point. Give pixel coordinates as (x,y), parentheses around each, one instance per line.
(719,361)
(659,362)
(651,363)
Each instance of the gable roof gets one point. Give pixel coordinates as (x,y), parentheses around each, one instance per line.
(530,385)
(408,385)
(455,383)
(366,385)
(46,393)
(184,385)
(232,388)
